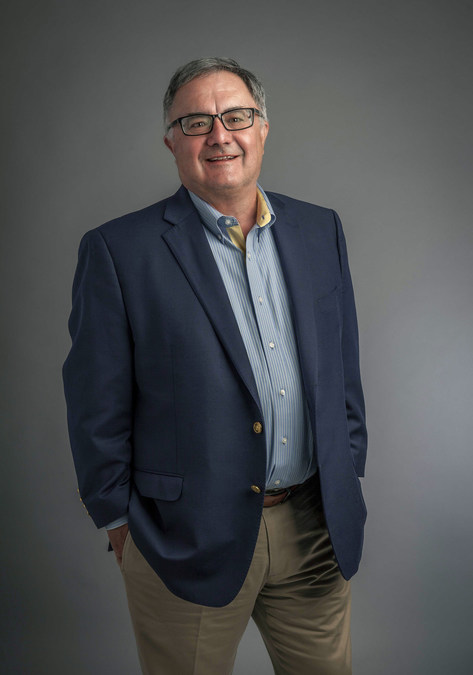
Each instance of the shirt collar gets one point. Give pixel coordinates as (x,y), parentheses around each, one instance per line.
(218,223)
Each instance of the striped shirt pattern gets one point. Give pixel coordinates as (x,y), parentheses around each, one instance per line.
(252,275)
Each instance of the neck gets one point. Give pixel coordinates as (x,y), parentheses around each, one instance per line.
(240,206)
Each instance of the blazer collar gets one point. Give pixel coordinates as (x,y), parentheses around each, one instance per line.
(178,207)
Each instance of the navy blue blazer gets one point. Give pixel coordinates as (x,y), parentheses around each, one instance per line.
(162,400)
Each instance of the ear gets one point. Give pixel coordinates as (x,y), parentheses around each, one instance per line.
(168,143)
(264,131)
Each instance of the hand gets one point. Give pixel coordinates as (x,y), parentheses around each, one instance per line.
(117,538)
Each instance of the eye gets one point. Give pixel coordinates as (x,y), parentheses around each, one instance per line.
(194,124)
(197,123)
(240,118)
(236,116)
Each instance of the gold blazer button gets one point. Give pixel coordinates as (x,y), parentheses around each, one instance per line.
(256,489)
(257,427)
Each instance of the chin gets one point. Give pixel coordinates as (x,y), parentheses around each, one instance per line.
(223,185)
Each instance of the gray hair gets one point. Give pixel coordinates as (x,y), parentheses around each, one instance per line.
(206,66)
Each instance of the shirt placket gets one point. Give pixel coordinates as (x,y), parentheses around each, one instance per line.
(259,278)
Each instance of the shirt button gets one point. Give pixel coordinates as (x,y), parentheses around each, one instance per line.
(256,489)
(249,256)
(271,344)
(257,427)
(284,440)
(283,392)
(277,482)
(228,221)
(220,237)
(260,300)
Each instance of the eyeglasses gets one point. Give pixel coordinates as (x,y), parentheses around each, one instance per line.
(201,123)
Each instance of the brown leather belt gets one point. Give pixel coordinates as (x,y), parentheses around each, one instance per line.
(280,496)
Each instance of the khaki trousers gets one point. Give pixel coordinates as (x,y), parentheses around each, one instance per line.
(294,592)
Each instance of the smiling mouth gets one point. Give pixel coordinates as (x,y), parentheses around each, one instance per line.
(225,158)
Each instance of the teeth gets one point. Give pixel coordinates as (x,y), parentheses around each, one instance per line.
(219,159)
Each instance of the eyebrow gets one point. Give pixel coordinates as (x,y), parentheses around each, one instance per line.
(234,107)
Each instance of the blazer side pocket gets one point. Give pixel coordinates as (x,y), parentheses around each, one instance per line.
(165,486)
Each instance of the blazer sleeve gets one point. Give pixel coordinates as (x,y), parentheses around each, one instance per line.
(98,383)
(354,400)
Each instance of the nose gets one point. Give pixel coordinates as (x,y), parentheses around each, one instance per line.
(219,135)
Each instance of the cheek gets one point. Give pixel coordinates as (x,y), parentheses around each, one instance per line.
(192,155)
(255,153)
(186,159)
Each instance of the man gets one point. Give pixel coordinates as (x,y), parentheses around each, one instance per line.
(214,401)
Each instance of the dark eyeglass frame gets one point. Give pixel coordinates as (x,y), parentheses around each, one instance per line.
(254,111)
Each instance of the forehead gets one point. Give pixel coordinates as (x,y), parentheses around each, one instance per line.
(211,93)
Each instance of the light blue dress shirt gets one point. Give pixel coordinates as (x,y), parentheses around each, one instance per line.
(258,295)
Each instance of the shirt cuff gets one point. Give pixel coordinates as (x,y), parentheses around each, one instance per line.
(116,523)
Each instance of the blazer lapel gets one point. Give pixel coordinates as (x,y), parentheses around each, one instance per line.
(296,267)
(189,245)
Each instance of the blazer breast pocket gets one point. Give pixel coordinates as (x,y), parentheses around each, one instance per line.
(164,486)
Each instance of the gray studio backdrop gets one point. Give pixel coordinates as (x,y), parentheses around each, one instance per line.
(370,108)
